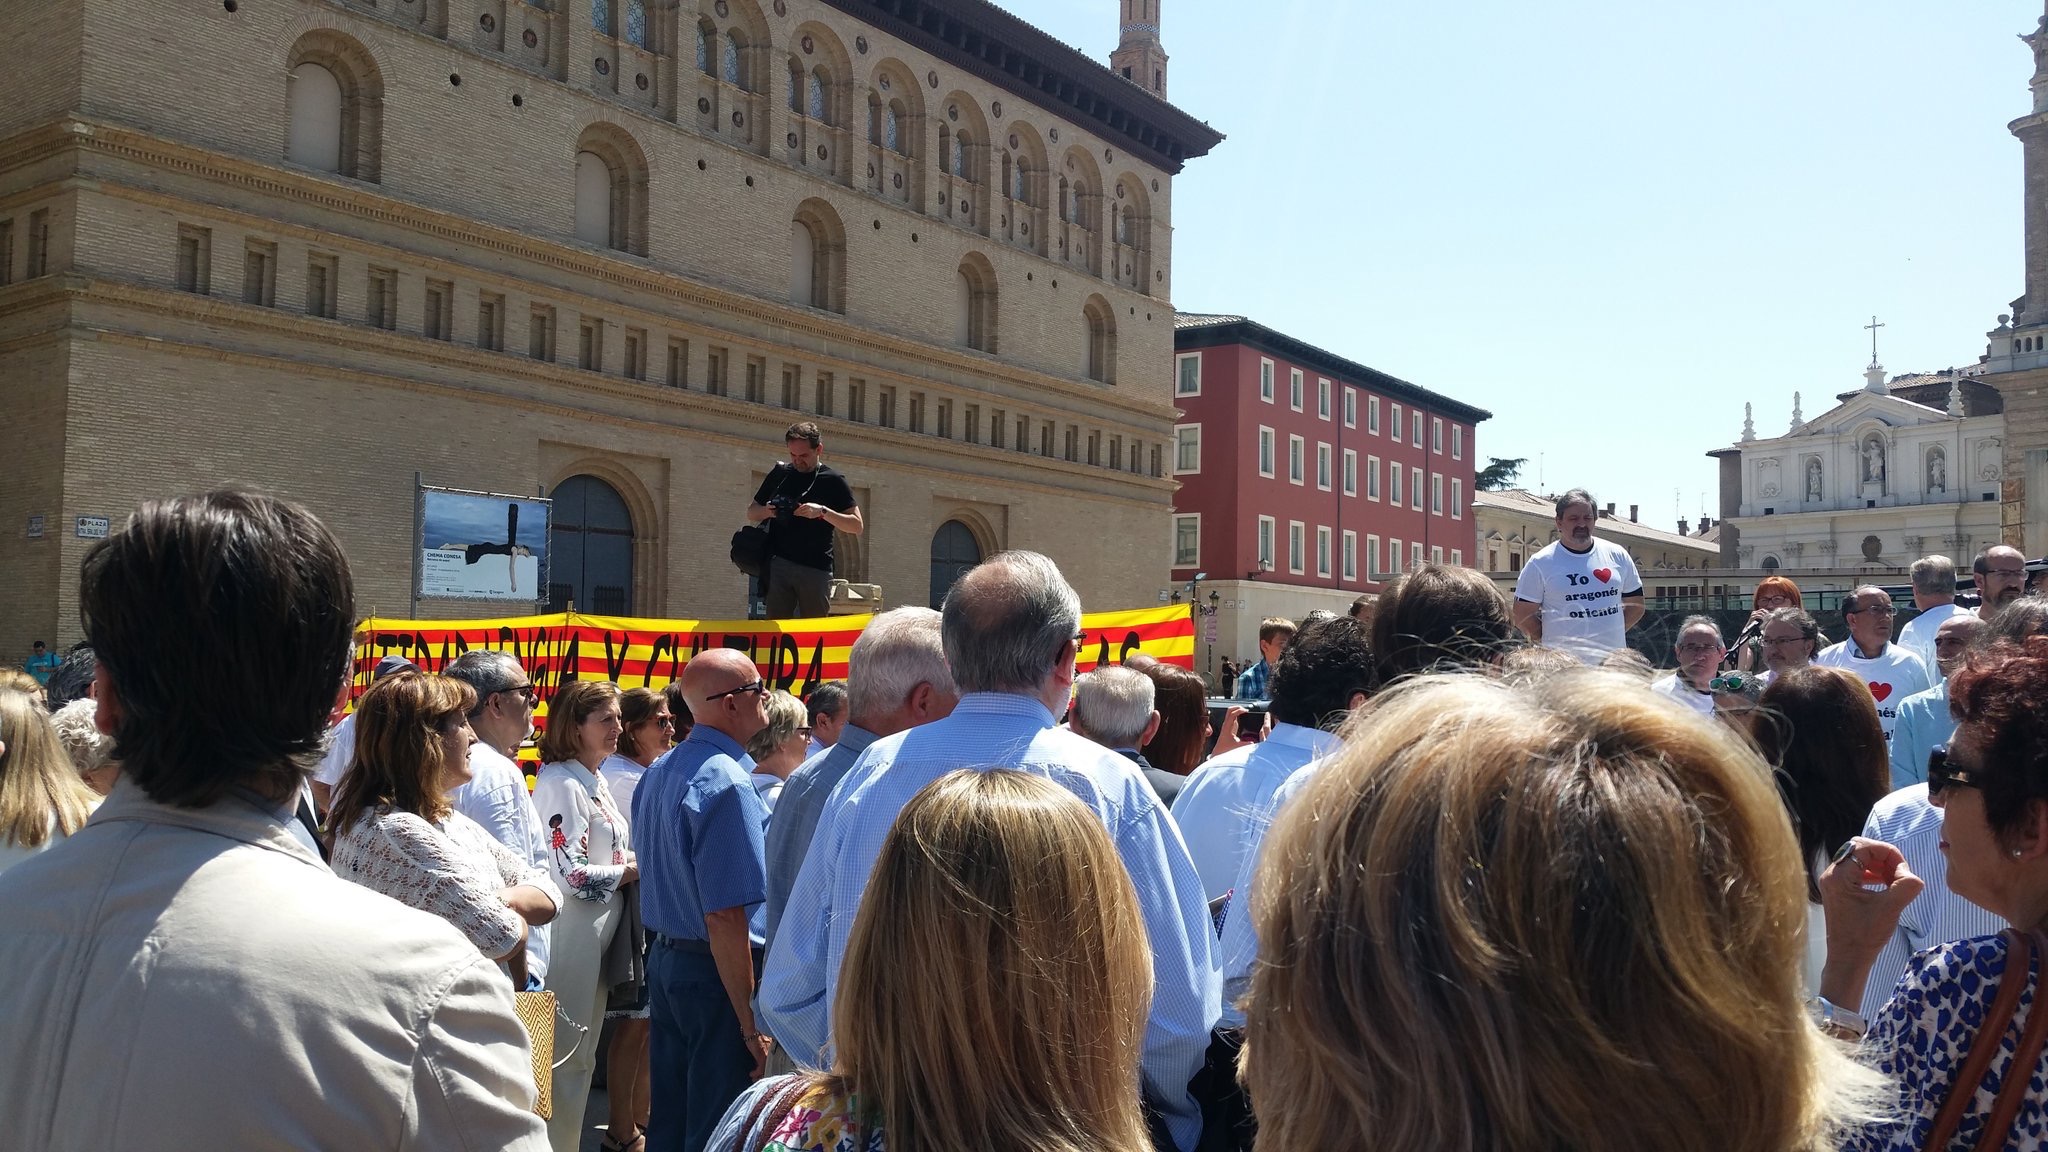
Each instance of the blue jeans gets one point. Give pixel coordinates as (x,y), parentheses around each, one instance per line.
(698,1061)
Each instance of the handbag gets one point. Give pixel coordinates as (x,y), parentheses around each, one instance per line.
(750,551)
(537,1013)
(2020,948)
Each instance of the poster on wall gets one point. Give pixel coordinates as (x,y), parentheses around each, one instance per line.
(481,546)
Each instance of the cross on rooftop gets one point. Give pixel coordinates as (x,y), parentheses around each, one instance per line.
(1872,328)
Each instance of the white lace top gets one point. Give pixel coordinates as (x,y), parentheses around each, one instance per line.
(452,869)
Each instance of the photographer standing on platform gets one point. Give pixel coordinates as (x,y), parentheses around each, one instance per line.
(806,500)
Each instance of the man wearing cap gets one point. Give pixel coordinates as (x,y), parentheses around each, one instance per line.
(341,743)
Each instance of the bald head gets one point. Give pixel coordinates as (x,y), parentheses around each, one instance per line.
(1956,633)
(709,681)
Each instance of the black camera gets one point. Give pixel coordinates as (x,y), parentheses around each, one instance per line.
(783,505)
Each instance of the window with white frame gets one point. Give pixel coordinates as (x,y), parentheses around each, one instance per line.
(1394,555)
(1458,557)
(1187,540)
(1372,415)
(1457,498)
(1436,554)
(1323,466)
(1297,547)
(1297,459)
(1415,428)
(1266,543)
(1187,448)
(1415,489)
(1436,435)
(1265,451)
(1372,478)
(1350,555)
(1294,389)
(1457,442)
(1322,397)
(1372,556)
(1351,407)
(1394,418)
(1266,381)
(1187,379)
(1323,551)
(1350,472)
(1436,493)
(1394,484)
(1415,555)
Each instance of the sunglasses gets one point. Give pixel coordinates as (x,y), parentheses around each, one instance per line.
(1941,775)
(1732,682)
(527,690)
(756,686)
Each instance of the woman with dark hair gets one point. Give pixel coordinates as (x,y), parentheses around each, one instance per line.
(393,829)
(1014,1028)
(591,853)
(1960,1085)
(1439,617)
(1181,700)
(1818,727)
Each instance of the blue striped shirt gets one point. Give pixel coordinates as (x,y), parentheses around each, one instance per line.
(1222,805)
(1239,947)
(1906,821)
(797,813)
(995,730)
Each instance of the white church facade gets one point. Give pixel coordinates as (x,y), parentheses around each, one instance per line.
(1899,470)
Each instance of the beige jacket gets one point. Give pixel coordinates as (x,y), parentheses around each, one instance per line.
(175,978)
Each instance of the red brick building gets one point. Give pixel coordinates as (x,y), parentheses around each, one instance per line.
(1302,470)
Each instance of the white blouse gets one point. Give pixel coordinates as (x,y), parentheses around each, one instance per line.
(452,869)
(586,832)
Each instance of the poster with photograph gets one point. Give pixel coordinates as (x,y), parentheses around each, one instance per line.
(477,546)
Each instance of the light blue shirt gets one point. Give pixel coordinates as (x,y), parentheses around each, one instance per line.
(1923,722)
(496,798)
(1224,797)
(1239,946)
(1906,821)
(797,813)
(697,828)
(997,730)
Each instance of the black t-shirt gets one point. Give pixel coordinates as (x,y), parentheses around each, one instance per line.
(793,537)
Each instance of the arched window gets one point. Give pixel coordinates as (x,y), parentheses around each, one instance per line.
(314,138)
(892,129)
(706,33)
(1075,212)
(1122,220)
(732,64)
(636,24)
(796,85)
(819,106)
(974,315)
(803,265)
(954,552)
(961,161)
(590,549)
(601,17)
(1099,355)
(1770,563)
(593,200)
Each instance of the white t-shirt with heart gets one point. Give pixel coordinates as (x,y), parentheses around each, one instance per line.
(1581,596)
(1894,675)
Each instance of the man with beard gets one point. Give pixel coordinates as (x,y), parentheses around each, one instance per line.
(1580,594)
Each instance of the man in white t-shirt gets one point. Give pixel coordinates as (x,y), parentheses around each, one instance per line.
(1700,652)
(1934,594)
(1580,594)
(1891,672)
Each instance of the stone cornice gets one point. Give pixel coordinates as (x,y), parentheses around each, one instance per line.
(913,452)
(627,273)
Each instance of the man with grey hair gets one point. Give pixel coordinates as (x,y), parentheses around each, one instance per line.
(1012,631)
(1113,707)
(1934,594)
(897,679)
(1700,651)
(1891,672)
(1579,594)
(495,795)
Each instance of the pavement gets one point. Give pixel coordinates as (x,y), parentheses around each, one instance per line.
(595,1115)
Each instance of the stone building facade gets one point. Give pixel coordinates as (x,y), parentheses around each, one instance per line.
(321,246)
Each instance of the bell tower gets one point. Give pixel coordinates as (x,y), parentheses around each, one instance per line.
(1140,57)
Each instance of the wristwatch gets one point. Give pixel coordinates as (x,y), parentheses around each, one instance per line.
(1837,1020)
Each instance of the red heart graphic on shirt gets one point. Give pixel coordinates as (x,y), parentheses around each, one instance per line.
(1605,574)
(1880,691)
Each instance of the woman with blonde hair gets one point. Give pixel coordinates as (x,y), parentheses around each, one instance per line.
(778,749)
(1497,920)
(393,827)
(590,850)
(42,799)
(994,993)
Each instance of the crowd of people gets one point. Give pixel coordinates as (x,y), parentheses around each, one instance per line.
(1475,879)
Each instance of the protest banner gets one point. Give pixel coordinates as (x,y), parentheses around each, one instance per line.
(792,655)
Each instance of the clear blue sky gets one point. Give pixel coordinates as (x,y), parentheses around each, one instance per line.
(1610,222)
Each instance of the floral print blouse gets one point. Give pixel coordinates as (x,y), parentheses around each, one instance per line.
(587,837)
(452,869)
(818,1121)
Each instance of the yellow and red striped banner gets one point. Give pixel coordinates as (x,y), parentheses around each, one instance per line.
(792,654)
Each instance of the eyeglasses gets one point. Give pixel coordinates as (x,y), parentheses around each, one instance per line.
(1701,649)
(1884,609)
(804,731)
(756,686)
(2009,573)
(1941,775)
(665,721)
(1799,639)
(527,690)
(1731,682)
